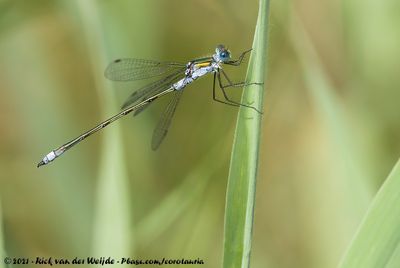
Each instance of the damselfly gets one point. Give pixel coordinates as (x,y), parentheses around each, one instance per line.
(176,77)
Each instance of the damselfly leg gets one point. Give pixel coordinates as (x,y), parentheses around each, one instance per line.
(230,84)
(239,60)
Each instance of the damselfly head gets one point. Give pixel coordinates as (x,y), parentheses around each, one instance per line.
(222,54)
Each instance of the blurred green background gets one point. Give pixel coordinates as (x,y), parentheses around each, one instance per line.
(331,127)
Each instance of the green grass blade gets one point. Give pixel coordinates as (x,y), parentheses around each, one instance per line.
(244,160)
(377,241)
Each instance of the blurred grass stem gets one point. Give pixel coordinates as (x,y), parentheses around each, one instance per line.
(377,241)
(112,210)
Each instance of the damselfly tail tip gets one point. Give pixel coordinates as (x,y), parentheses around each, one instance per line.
(48,158)
(41,163)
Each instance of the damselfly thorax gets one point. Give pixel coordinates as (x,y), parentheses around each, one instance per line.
(194,71)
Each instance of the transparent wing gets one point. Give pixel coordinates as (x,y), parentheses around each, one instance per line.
(161,129)
(130,69)
(153,88)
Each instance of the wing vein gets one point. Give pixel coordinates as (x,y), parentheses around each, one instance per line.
(130,69)
(164,123)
